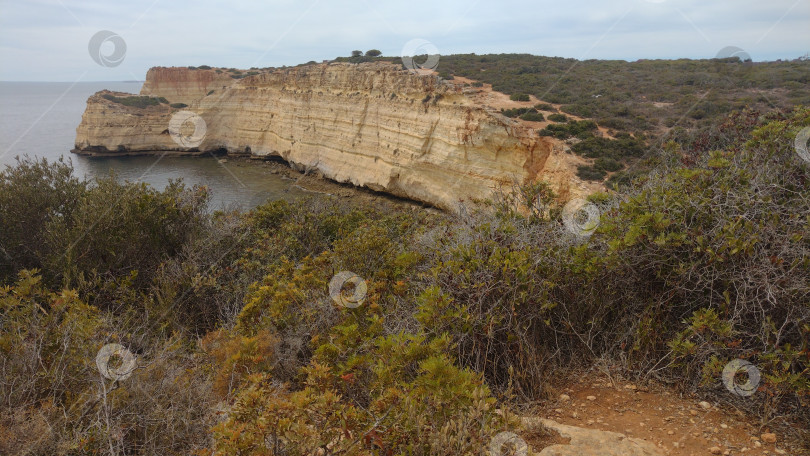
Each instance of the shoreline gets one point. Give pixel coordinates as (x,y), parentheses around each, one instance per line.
(311,182)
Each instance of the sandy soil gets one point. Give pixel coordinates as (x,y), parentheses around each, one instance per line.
(486,97)
(680,426)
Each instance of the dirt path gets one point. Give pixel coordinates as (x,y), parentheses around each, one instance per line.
(677,426)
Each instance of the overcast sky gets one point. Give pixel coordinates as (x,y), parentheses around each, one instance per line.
(47,40)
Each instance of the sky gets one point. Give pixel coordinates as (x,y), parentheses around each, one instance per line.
(53,40)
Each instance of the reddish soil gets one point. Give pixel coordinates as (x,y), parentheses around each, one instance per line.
(485,96)
(680,426)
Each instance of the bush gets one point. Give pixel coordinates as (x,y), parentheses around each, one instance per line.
(178,105)
(533,117)
(581,129)
(590,173)
(519,97)
(545,107)
(516,112)
(149,227)
(135,101)
(621,148)
(561,118)
(607,164)
(594,88)
(694,237)
(373,53)
(51,340)
(34,194)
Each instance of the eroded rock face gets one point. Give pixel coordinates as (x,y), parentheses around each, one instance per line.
(181,85)
(372,125)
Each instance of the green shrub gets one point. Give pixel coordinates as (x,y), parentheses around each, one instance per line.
(581,129)
(545,107)
(607,164)
(136,101)
(590,173)
(149,226)
(524,113)
(51,339)
(561,118)
(516,112)
(696,235)
(576,84)
(519,97)
(617,149)
(34,194)
(533,116)
(178,105)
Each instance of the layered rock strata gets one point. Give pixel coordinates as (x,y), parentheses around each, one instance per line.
(373,125)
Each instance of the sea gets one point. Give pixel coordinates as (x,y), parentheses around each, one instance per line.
(39,119)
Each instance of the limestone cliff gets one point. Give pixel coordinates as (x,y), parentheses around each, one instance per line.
(182,85)
(372,125)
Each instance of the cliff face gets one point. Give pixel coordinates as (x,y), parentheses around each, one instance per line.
(181,85)
(372,125)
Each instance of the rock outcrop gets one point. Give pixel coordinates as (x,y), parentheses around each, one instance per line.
(591,442)
(373,125)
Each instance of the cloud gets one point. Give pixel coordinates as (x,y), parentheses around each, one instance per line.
(48,39)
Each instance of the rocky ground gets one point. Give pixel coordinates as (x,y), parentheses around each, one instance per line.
(606,417)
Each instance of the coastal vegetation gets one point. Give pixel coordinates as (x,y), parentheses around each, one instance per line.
(652,101)
(645,96)
(241,348)
(136,101)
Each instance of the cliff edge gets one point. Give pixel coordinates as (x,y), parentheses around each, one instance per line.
(373,125)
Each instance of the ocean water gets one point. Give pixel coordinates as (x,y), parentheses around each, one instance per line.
(40,119)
